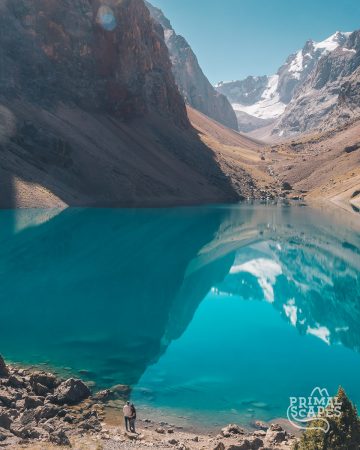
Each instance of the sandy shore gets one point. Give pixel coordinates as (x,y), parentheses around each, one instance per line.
(160,436)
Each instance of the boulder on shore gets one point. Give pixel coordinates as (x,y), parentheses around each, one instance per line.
(275,435)
(45,379)
(71,391)
(231,430)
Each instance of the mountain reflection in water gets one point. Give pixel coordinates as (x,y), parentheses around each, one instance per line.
(107,291)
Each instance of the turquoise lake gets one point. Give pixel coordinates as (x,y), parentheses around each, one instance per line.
(215,314)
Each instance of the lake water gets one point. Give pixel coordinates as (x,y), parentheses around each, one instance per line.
(216,314)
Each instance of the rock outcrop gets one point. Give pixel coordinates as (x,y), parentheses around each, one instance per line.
(71,392)
(27,416)
(193,84)
(90,111)
(329,96)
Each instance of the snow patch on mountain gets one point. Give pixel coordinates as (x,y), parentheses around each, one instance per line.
(298,64)
(269,106)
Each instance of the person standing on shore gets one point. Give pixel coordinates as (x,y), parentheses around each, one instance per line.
(127,415)
(132,418)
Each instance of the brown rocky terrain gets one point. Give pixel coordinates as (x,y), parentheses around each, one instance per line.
(321,168)
(41,411)
(38,406)
(90,112)
(241,158)
(318,167)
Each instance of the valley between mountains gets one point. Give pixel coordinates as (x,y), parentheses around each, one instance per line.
(125,116)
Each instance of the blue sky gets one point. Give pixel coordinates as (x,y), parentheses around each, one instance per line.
(236,38)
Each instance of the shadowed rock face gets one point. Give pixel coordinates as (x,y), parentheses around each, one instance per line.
(90,112)
(193,84)
(247,91)
(103,59)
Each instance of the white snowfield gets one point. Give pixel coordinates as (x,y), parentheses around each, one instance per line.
(270,106)
(332,42)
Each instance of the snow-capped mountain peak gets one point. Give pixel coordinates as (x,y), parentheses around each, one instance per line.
(332,42)
(266,98)
(300,63)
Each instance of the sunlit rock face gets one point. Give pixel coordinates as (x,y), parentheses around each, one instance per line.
(192,82)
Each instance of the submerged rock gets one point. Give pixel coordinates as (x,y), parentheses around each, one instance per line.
(103,396)
(261,425)
(122,391)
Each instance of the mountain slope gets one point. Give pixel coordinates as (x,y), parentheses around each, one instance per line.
(241,158)
(322,166)
(90,112)
(193,84)
(266,98)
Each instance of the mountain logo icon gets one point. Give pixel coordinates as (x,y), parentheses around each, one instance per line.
(314,411)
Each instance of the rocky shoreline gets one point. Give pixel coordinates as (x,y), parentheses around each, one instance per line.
(39,410)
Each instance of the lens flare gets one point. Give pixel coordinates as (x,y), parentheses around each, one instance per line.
(106,18)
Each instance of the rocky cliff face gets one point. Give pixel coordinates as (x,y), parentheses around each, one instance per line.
(329,96)
(193,84)
(90,111)
(101,58)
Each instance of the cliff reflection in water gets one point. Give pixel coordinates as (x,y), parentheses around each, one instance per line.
(106,291)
